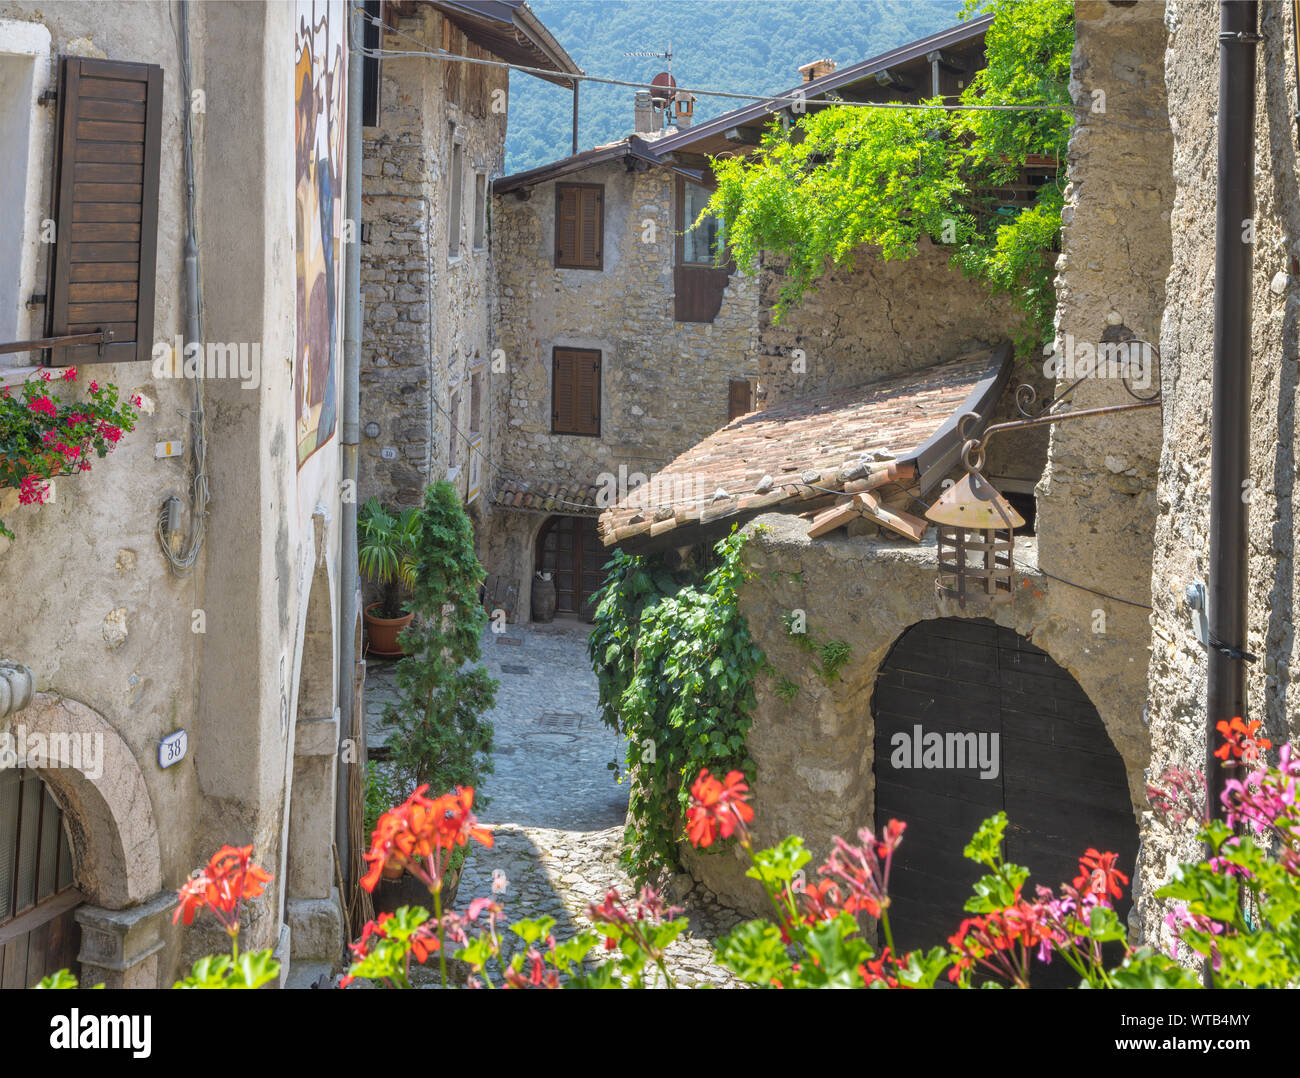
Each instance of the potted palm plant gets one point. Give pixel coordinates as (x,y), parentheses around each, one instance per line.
(386,553)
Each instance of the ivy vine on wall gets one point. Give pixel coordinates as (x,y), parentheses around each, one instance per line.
(676,666)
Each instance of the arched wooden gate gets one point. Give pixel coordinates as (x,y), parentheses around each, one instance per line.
(38,893)
(1059,779)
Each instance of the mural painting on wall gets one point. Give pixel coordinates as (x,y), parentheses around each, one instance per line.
(320,97)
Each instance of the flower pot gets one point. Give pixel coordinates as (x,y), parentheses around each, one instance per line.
(382,633)
(543,599)
(391,895)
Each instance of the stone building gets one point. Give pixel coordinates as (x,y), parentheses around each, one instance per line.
(111,651)
(1058,669)
(1093,674)
(434,143)
(671,345)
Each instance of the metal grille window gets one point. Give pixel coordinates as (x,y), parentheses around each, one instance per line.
(35,858)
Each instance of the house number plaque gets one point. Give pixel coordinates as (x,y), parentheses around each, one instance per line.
(172,748)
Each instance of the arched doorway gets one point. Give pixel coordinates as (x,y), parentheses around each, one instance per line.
(570,549)
(38,892)
(972,719)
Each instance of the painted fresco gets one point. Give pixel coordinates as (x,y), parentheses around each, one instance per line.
(320,66)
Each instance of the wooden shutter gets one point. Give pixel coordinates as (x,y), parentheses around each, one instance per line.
(575,391)
(579,225)
(106,208)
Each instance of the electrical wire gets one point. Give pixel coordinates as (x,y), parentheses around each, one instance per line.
(197,465)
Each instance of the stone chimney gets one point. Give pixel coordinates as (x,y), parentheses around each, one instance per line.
(816,69)
(683,109)
(649,121)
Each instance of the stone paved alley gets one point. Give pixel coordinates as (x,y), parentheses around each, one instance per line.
(552,801)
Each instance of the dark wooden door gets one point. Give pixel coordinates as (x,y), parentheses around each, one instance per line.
(1059,779)
(38,897)
(570,549)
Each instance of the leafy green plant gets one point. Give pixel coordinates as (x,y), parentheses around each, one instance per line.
(442,737)
(386,551)
(842,178)
(676,666)
(832,654)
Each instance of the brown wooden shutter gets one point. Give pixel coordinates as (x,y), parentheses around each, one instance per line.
(586,407)
(740,398)
(591,221)
(566,225)
(575,391)
(579,225)
(106,208)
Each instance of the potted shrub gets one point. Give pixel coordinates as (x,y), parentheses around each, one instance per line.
(442,737)
(386,554)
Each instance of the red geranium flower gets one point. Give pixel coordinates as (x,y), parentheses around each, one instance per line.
(222,885)
(718,808)
(1241,740)
(1098,874)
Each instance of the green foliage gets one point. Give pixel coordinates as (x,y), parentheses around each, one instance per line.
(62,979)
(442,737)
(676,666)
(832,655)
(742,46)
(252,969)
(848,177)
(386,551)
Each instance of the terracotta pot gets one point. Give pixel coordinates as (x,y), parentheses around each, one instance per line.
(543,599)
(382,633)
(391,895)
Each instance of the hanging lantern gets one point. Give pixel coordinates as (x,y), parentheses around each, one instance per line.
(976,531)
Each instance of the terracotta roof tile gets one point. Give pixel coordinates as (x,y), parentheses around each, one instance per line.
(843,441)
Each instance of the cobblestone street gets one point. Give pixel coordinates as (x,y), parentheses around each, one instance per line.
(552,800)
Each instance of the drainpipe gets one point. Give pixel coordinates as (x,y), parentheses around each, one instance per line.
(351,436)
(1230,407)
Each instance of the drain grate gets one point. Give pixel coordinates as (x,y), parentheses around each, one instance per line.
(514,668)
(560,720)
(514,641)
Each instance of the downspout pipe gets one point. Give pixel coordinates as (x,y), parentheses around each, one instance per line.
(350,438)
(1230,406)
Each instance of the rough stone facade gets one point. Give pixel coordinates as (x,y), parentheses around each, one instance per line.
(1178,663)
(426,310)
(112,636)
(1095,502)
(663,383)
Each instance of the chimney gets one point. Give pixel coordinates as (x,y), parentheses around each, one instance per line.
(816,69)
(648,119)
(684,108)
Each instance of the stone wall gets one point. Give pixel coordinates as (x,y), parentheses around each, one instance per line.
(113,637)
(1182,541)
(426,312)
(663,383)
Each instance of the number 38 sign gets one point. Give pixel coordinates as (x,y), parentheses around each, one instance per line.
(172,748)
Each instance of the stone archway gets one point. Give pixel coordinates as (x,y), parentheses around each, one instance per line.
(971,719)
(113,832)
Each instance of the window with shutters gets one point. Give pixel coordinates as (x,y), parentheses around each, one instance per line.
(740,398)
(454,200)
(106,209)
(370,77)
(480,210)
(453,457)
(580,226)
(475,401)
(575,391)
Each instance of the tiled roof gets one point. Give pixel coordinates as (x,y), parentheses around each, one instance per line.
(570,499)
(786,456)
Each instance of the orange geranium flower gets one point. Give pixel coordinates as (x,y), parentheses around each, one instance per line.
(416,834)
(222,885)
(718,808)
(1242,740)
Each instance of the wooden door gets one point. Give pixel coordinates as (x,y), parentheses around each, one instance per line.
(570,549)
(38,897)
(1059,779)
